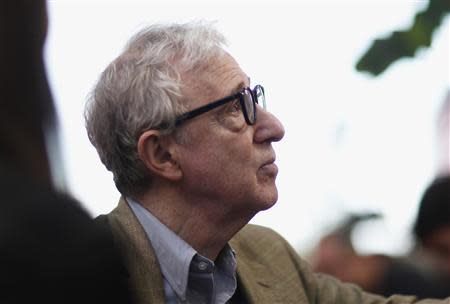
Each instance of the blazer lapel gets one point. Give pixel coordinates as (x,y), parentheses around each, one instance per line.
(256,285)
(145,274)
(261,281)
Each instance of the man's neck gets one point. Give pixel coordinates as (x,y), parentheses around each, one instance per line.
(206,228)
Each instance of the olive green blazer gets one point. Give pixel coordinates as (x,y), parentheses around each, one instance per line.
(269,270)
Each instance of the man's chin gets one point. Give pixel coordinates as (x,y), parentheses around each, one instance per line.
(269,200)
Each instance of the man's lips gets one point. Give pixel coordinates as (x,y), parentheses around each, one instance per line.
(270,167)
(269,162)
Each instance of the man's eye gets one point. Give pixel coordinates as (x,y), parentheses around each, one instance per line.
(236,106)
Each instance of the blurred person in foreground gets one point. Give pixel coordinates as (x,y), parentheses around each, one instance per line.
(425,272)
(189,142)
(50,249)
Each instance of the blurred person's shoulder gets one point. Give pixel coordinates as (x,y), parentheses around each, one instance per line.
(50,244)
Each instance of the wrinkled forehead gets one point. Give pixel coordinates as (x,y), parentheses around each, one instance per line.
(218,77)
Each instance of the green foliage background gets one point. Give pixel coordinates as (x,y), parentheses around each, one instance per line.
(383,52)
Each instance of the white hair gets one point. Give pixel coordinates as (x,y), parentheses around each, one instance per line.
(141,90)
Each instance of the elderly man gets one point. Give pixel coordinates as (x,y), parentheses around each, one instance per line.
(189,143)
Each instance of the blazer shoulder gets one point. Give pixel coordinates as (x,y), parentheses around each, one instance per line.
(261,242)
(258,233)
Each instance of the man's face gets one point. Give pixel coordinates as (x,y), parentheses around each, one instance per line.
(224,160)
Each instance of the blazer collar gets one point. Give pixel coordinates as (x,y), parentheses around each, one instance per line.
(145,277)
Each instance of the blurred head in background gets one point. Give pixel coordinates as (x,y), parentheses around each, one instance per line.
(432,226)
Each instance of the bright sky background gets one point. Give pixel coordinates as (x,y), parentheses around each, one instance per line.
(353,143)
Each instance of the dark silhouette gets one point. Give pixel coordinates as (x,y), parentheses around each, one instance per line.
(432,227)
(50,249)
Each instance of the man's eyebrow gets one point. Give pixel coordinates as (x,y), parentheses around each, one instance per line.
(240,86)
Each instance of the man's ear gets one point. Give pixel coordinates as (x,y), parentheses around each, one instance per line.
(157,153)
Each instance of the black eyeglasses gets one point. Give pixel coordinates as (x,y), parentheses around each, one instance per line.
(247,98)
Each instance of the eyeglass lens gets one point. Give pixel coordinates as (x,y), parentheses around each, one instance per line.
(260,97)
(250,98)
(249,108)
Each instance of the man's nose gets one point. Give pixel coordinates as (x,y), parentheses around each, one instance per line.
(267,127)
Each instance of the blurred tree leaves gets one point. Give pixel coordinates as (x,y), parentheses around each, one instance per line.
(383,52)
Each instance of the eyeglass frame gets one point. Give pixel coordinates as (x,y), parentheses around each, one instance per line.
(214,104)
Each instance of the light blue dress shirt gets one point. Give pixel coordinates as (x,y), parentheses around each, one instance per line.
(188,276)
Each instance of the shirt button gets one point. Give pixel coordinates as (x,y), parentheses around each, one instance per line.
(202,265)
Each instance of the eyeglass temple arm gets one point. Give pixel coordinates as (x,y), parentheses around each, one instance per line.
(206,108)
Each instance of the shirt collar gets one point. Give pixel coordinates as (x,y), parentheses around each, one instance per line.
(173,253)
